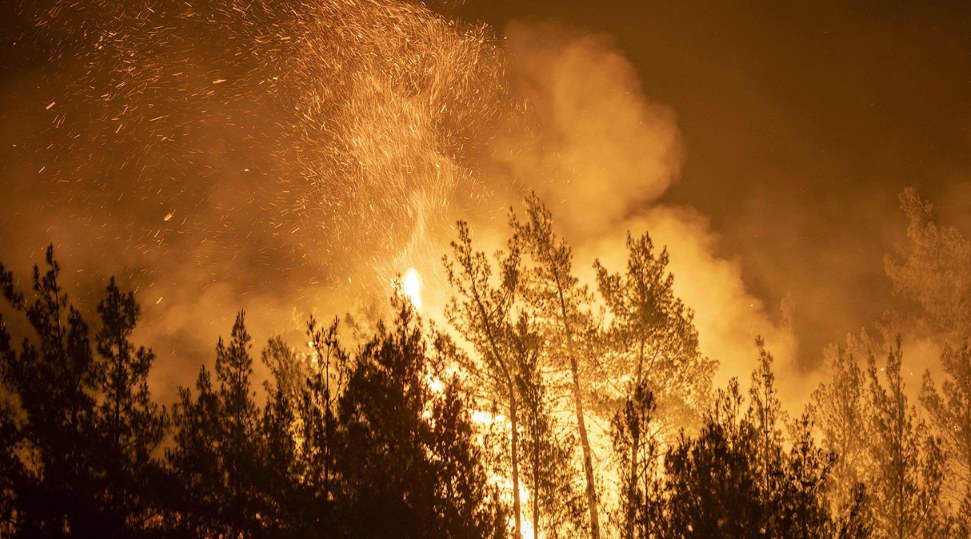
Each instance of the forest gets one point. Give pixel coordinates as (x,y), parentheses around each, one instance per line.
(547,408)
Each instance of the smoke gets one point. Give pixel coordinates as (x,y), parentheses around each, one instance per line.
(600,149)
(600,153)
(282,158)
(291,158)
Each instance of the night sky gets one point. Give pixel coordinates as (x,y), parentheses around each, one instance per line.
(161,143)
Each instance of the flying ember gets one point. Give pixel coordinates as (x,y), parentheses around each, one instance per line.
(644,230)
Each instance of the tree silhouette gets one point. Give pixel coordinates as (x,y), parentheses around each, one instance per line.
(322,384)
(561,304)
(950,411)
(408,464)
(712,482)
(485,315)
(217,457)
(908,460)
(130,425)
(53,376)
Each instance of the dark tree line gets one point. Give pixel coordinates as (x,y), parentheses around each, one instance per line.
(410,434)
(377,443)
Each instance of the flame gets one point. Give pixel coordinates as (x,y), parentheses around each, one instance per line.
(411,285)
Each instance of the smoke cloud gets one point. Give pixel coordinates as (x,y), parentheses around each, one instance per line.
(600,153)
(291,159)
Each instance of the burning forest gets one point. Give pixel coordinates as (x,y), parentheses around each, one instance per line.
(381,268)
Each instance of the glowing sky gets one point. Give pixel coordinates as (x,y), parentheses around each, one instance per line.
(802,122)
(224,155)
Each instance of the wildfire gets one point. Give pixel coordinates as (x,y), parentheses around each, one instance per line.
(411,285)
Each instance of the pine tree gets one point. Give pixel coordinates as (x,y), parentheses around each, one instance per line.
(765,415)
(653,345)
(641,504)
(712,483)
(240,456)
(950,412)
(652,338)
(10,465)
(791,484)
(217,458)
(800,509)
(197,493)
(53,378)
(485,315)
(131,426)
(561,303)
(407,461)
(837,410)
(546,444)
(323,383)
(934,269)
(908,461)
(280,478)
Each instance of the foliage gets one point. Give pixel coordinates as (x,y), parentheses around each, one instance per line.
(485,315)
(908,460)
(561,305)
(651,337)
(934,269)
(380,441)
(950,412)
(838,410)
(408,464)
(79,429)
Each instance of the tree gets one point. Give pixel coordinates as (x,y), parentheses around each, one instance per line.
(641,505)
(712,483)
(838,410)
(283,514)
(318,388)
(765,415)
(950,412)
(791,484)
(81,432)
(10,465)
(561,304)
(131,426)
(240,455)
(408,465)
(652,338)
(652,358)
(736,479)
(217,457)
(546,443)
(800,509)
(484,314)
(908,460)
(197,492)
(934,269)
(53,377)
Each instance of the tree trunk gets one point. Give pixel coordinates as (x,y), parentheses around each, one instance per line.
(585,444)
(514,421)
(581,424)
